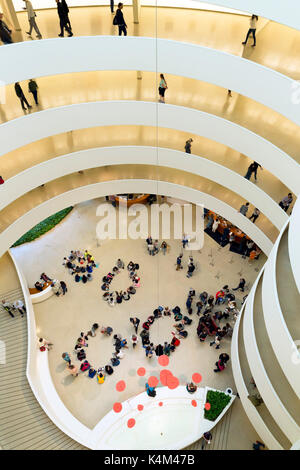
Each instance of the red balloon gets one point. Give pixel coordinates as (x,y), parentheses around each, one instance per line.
(207,406)
(194,403)
(172,382)
(140,407)
(153,381)
(131,423)
(120,386)
(164,374)
(117,407)
(141,371)
(196,377)
(160,403)
(163,360)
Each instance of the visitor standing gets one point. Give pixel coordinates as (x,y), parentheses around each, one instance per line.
(63,11)
(255,215)
(135,321)
(5,32)
(120,21)
(8,307)
(286,202)
(19,305)
(66,357)
(244,209)
(188,146)
(33,88)
(162,88)
(21,96)
(252,30)
(178,263)
(31,19)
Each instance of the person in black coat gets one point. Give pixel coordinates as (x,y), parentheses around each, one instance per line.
(63,12)
(21,96)
(5,32)
(120,20)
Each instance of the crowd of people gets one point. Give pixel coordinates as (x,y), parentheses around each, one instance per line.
(81,265)
(154,247)
(117,297)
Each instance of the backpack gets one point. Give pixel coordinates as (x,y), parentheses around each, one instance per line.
(115,20)
(92,373)
(85,366)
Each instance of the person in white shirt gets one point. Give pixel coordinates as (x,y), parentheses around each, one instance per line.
(18,305)
(31,18)
(252,29)
(215,225)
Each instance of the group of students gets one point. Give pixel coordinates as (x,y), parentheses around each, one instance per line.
(85,267)
(168,347)
(154,247)
(117,297)
(80,351)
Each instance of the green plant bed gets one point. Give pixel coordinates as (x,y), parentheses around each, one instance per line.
(218,401)
(43,227)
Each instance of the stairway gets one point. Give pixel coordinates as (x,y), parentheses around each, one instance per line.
(23,423)
(219,433)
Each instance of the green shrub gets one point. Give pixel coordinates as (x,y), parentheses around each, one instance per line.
(43,227)
(218,401)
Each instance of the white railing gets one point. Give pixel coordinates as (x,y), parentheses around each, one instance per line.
(93,191)
(28,129)
(44,172)
(54,56)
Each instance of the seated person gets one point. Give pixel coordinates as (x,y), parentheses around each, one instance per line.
(167,312)
(179,326)
(45,278)
(84,279)
(105,286)
(77,277)
(182,333)
(39,286)
(150,319)
(131,290)
(178,316)
(186,320)
(89,269)
(115,361)
(146,325)
(191,387)
(109,370)
(157,313)
(126,296)
(100,378)
(92,373)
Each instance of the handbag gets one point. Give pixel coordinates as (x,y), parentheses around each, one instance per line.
(115,20)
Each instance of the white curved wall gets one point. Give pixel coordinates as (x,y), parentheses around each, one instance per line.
(27,129)
(92,158)
(285,12)
(150,54)
(93,191)
(280,337)
(294,245)
(252,413)
(266,389)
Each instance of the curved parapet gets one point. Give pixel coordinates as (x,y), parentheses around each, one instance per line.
(271,337)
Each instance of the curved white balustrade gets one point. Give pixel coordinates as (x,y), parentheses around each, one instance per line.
(248,78)
(27,129)
(280,337)
(93,191)
(277,409)
(285,12)
(294,245)
(140,155)
(252,413)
